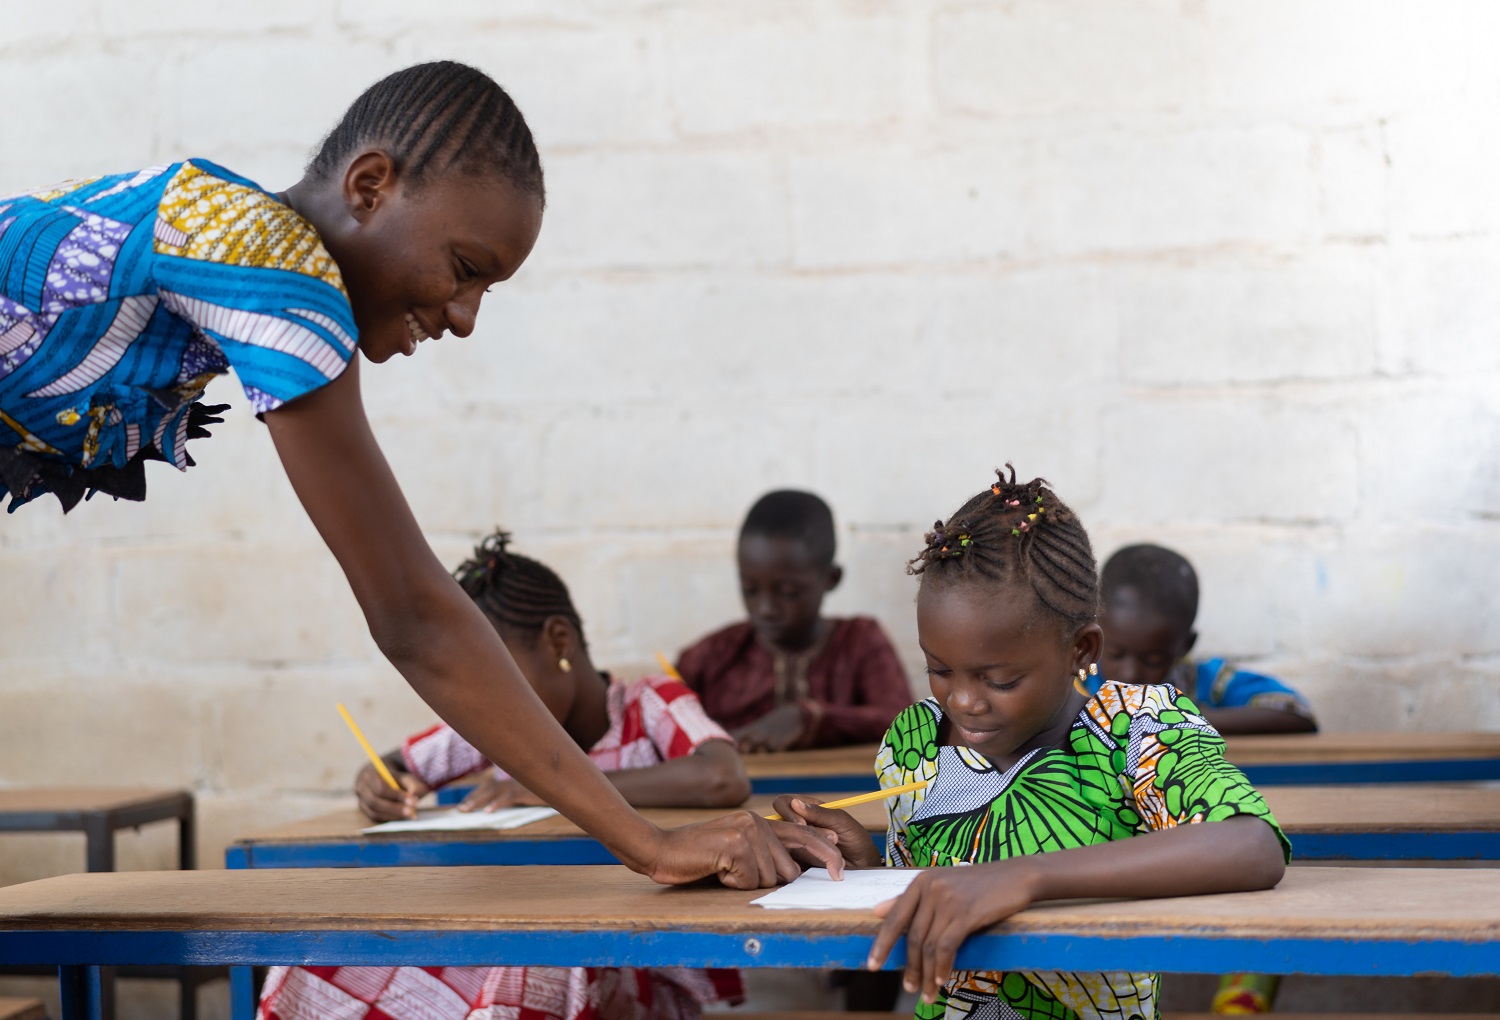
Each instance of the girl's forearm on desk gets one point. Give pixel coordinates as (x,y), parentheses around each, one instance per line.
(711,777)
(1234,855)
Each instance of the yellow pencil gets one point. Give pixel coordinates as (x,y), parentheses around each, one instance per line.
(865,798)
(385,773)
(667,667)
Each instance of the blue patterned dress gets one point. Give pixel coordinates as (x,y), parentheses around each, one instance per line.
(120,299)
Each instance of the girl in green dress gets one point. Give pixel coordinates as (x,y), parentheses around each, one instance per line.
(1020,762)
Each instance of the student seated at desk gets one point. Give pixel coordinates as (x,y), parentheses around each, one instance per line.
(789,677)
(1037,790)
(650,736)
(1150,603)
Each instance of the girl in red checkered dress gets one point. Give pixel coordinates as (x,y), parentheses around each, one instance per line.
(650,736)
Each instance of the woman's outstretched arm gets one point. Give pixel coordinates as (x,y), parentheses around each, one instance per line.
(441,643)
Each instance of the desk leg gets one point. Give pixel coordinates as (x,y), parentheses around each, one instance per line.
(187,854)
(242,993)
(101,857)
(102,987)
(81,990)
(187,995)
(101,843)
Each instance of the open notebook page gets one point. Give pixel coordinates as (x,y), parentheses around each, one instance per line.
(859,890)
(465,821)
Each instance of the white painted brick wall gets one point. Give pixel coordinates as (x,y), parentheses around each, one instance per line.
(1223,271)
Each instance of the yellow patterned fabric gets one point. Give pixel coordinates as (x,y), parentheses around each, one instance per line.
(213,220)
(57,191)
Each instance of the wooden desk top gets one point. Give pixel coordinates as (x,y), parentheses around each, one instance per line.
(1397,807)
(1287,748)
(81,800)
(1369,904)
(1403,807)
(1269,749)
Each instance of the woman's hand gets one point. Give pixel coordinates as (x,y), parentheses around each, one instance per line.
(853,840)
(743,850)
(493,793)
(382,804)
(777,730)
(941,909)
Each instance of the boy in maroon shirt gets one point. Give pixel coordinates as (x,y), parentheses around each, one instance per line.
(789,677)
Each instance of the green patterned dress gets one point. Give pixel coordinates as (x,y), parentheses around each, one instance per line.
(1137,759)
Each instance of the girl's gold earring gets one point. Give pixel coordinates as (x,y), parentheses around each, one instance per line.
(1093,669)
(1078,683)
(565,665)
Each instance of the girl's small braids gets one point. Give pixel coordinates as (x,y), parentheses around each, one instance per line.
(1015,532)
(943,546)
(516,592)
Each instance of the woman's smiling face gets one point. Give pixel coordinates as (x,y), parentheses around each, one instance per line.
(1000,665)
(417,259)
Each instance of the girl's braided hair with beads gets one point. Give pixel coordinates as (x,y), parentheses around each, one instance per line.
(437,116)
(1014,532)
(516,592)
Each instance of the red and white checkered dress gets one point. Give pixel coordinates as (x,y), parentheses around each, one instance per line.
(650,721)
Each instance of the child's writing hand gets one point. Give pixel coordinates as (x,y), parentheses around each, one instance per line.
(941,909)
(744,850)
(777,730)
(382,804)
(839,827)
(494,793)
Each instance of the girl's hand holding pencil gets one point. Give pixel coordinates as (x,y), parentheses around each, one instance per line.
(382,797)
(380,802)
(853,840)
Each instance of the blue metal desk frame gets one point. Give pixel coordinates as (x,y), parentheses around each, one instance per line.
(375,853)
(80,954)
(1455,770)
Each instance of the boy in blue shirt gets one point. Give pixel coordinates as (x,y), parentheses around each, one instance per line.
(1150,602)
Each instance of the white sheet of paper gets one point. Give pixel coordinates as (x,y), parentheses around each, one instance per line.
(465,821)
(860,890)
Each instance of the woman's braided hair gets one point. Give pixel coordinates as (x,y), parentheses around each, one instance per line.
(439,116)
(1013,532)
(516,592)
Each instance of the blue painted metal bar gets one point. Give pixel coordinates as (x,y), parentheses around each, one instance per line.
(355,853)
(1287,774)
(81,992)
(753,948)
(241,993)
(1396,846)
(857,782)
(375,853)
(1323,773)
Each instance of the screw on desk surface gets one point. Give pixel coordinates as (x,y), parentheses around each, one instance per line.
(752,947)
